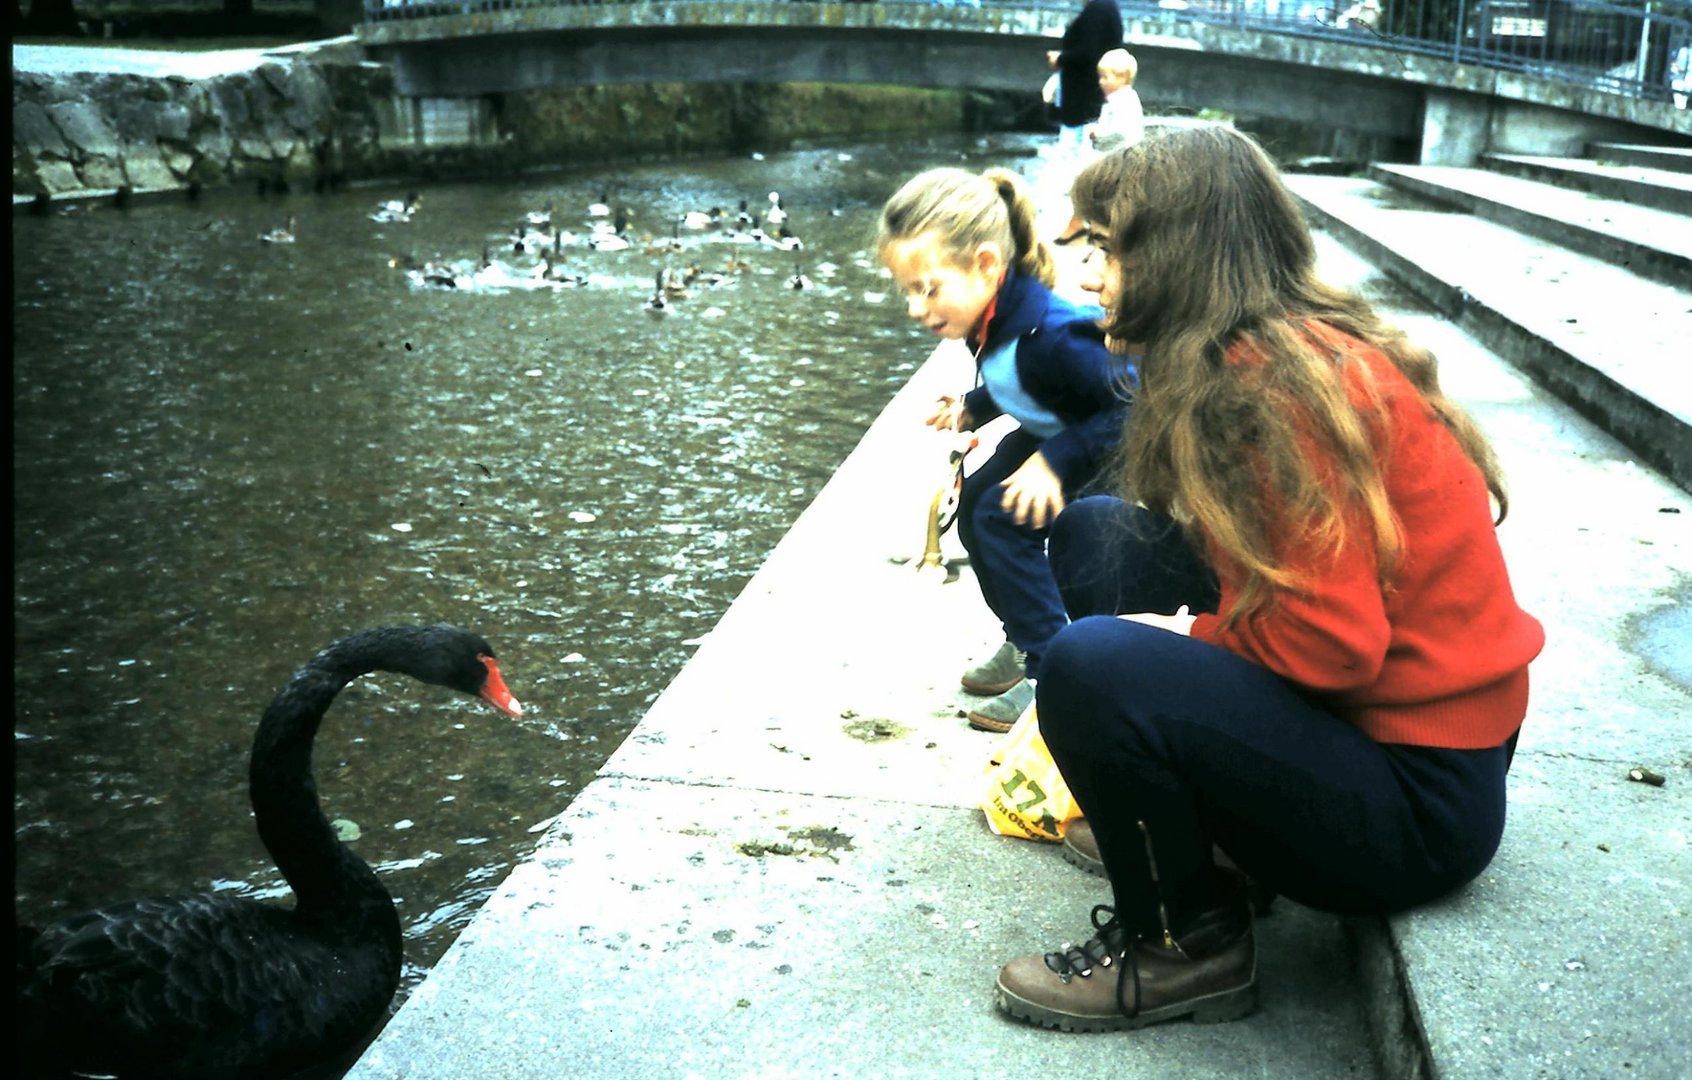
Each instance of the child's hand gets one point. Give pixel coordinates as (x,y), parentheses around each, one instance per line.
(950,414)
(1179,623)
(1033,493)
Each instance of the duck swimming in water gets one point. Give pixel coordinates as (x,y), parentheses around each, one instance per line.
(659,305)
(213,985)
(396,211)
(540,219)
(602,208)
(611,237)
(552,272)
(781,240)
(777,213)
(282,234)
(799,281)
(701,219)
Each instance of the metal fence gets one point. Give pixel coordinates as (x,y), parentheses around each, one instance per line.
(1624,50)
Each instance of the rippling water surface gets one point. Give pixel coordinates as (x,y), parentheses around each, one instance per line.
(228,453)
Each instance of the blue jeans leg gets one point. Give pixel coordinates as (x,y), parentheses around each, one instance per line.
(1109,557)
(1009,560)
(1175,745)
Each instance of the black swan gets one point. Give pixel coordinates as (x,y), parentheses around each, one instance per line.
(215,986)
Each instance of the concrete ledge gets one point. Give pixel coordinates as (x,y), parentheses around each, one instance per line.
(1655,243)
(1672,158)
(1660,188)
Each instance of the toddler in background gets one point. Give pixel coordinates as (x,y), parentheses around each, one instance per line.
(1122,121)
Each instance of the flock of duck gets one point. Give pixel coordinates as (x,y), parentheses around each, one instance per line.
(536,253)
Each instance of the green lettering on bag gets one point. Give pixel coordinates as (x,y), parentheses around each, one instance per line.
(1017,780)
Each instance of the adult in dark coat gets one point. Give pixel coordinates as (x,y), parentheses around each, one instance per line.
(1091,34)
(1094,32)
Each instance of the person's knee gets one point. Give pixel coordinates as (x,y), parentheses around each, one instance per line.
(1078,529)
(1079,549)
(1079,675)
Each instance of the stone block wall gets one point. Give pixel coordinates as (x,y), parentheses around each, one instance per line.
(292,122)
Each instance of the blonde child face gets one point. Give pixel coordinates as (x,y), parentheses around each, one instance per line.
(1111,81)
(946,298)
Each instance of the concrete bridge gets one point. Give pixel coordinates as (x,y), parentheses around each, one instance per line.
(1401,96)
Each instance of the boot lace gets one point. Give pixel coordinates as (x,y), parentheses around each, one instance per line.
(1111,946)
(1102,950)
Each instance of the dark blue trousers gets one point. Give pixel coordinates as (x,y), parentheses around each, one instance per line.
(1171,745)
(1009,560)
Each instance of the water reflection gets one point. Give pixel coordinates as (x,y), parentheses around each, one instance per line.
(228,453)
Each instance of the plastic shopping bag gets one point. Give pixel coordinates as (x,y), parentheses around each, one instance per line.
(1025,795)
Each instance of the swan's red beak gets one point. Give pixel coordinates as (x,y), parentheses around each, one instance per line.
(496,693)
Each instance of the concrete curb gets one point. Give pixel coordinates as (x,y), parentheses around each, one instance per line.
(1395,1023)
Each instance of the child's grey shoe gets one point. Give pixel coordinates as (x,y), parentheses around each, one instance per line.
(1001,713)
(1003,670)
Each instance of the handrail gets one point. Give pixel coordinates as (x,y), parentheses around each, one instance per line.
(1592,43)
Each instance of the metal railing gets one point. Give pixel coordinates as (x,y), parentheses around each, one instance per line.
(1624,50)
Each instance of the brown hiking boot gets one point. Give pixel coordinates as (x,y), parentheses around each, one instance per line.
(1081,848)
(1115,983)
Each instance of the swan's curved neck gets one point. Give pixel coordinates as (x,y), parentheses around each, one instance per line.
(324,874)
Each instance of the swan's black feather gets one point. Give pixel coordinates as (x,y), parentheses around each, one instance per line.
(211,985)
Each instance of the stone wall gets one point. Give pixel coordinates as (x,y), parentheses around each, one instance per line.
(292,120)
(315,119)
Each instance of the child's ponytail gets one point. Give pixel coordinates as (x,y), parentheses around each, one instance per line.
(1033,256)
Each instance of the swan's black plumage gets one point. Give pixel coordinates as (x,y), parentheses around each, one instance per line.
(215,986)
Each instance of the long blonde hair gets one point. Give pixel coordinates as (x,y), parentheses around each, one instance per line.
(964,211)
(1239,379)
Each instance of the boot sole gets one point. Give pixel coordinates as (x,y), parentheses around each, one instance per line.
(1216,1008)
(982,723)
(1075,858)
(988,689)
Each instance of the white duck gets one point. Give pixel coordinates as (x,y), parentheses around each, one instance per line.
(612,238)
(282,234)
(776,214)
(396,211)
(701,219)
(540,219)
(781,240)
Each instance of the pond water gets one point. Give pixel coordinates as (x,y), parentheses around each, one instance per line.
(229,452)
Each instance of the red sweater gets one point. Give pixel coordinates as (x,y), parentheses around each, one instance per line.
(1440,658)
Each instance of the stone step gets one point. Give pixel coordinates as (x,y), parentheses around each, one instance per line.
(1672,158)
(1664,189)
(1648,241)
(1596,335)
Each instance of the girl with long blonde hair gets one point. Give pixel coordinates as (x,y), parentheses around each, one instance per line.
(1296,661)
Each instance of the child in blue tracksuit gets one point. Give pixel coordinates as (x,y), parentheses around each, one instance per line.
(963,248)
